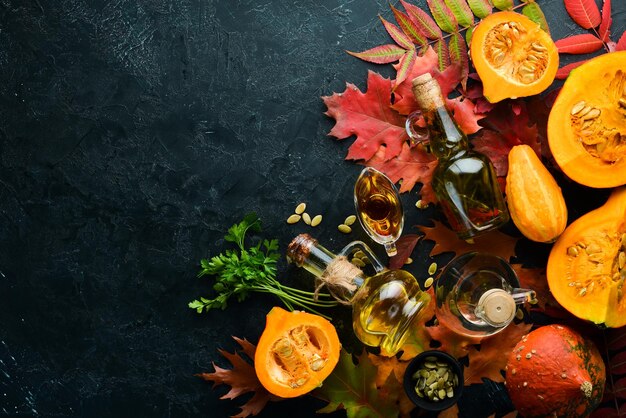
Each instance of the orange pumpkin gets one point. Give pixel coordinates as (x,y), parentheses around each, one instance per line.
(587,124)
(555,372)
(295,353)
(513,56)
(587,265)
(535,201)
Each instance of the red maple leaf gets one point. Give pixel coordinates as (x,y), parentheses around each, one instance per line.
(242,379)
(412,165)
(405,245)
(370,117)
(462,108)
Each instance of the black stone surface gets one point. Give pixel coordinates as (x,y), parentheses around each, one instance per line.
(133,133)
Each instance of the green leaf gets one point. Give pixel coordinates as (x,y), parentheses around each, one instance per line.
(468,35)
(442,54)
(383,54)
(237,232)
(534,13)
(353,388)
(408,27)
(396,34)
(461,11)
(503,4)
(406,64)
(443,15)
(422,21)
(481,8)
(458,56)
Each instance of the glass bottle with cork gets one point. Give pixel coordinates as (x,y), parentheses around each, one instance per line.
(464,181)
(384,305)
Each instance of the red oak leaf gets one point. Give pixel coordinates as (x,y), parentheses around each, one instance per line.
(370,117)
(242,379)
(413,165)
(579,44)
(493,242)
(496,147)
(605,27)
(584,12)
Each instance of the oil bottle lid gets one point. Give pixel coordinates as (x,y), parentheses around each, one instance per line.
(496,307)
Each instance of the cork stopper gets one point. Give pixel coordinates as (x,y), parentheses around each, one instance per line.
(427,92)
(496,307)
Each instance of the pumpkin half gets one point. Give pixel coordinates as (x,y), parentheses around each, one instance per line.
(587,124)
(587,265)
(296,352)
(513,56)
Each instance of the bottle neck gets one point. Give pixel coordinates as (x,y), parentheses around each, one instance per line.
(446,138)
(336,272)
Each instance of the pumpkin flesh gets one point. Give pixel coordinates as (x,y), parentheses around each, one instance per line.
(587,265)
(513,56)
(587,124)
(295,353)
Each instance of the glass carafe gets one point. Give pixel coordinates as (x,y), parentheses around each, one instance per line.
(383,305)
(477,295)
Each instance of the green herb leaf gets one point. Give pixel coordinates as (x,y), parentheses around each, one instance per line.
(503,4)
(253,269)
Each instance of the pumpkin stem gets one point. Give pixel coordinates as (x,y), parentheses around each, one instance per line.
(587,389)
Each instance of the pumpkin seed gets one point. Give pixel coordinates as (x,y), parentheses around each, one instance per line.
(582,291)
(306,218)
(430,364)
(623,241)
(365,259)
(594,113)
(519,314)
(432,268)
(300,208)
(585,110)
(428,282)
(592,249)
(344,228)
(538,47)
(408,260)
(293,219)
(578,107)
(621,259)
(349,220)
(359,253)
(572,251)
(515,33)
(317,219)
(420,204)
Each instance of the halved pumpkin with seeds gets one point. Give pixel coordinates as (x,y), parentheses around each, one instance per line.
(587,124)
(513,56)
(587,265)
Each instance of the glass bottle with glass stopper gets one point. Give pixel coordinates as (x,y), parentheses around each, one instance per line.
(464,181)
(383,305)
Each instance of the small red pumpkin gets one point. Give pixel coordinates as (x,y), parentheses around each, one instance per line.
(553,371)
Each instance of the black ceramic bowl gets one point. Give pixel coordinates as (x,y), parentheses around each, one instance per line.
(425,361)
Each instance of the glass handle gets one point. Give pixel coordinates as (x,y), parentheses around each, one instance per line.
(360,245)
(416,128)
(523,295)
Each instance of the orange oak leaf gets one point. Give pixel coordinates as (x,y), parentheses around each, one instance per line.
(491,359)
(412,165)
(242,379)
(493,242)
(389,380)
(370,117)
(455,344)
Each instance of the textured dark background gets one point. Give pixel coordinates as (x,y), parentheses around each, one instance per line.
(133,133)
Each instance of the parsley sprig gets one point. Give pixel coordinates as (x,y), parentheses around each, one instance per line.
(245,270)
